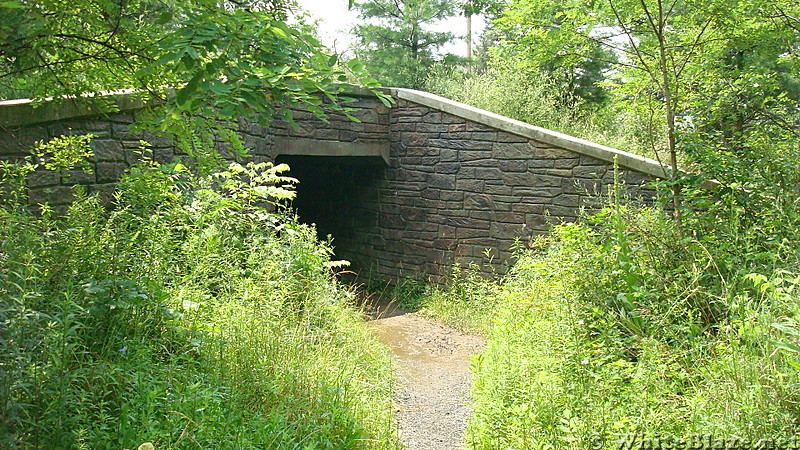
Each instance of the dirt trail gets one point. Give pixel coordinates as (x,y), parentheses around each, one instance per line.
(434,378)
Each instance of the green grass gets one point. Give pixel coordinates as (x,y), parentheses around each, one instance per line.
(191,314)
(620,325)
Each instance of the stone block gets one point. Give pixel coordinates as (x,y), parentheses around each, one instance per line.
(303,129)
(448,168)
(447,231)
(518,150)
(534,164)
(564,173)
(53,195)
(528,208)
(109,171)
(21,141)
(376,128)
(445,244)
(521,179)
(537,192)
(430,194)
(393,221)
(562,211)
(167,155)
(469,222)
(433,116)
(566,163)
(477,158)
(513,165)
(346,124)
(589,172)
(482,214)
(510,138)
(473,126)
(461,144)
(537,221)
(586,160)
(468,185)
(403,127)
(421,151)
(133,156)
(510,217)
(456,127)
(408,111)
(569,200)
(78,177)
(481,202)
(107,150)
(120,131)
(156,139)
(463,233)
(506,231)
(348,136)
(452,195)
(414,139)
(366,115)
(490,136)
(451,119)
(326,134)
(431,128)
(498,189)
(42,178)
(448,155)
(554,153)
(544,181)
(488,173)
(411,214)
(421,163)
(440,181)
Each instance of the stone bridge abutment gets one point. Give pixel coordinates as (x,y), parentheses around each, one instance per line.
(414,188)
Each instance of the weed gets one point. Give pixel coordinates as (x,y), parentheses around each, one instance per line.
(193,312)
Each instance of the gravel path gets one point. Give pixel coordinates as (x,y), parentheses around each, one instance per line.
(433,368)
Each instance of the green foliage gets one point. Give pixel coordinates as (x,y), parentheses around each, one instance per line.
(467,301)
(548,36)
(623,326)
(191,313)
(65,152)
(528,96)
(394,43)
(707,86)
(200,65)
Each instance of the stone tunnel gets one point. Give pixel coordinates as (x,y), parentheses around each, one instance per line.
(412,188)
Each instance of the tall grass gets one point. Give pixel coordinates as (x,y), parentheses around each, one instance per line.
(191,314)
(623,325)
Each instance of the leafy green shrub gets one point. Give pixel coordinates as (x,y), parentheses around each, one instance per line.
(192,312)
(621,324)
(467,301)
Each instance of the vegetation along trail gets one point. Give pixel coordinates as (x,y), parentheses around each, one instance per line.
(433,362)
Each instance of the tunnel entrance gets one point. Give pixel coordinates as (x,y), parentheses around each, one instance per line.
(337,194)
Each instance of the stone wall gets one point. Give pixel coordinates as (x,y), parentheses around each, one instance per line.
(407,190)
(116,145)
(459,191)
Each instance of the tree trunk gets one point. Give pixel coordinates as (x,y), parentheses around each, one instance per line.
(469,35)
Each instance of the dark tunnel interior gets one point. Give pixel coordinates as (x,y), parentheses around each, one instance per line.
(333,193)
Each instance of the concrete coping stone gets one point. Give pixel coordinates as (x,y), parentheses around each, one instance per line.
(578,145)
(25,111)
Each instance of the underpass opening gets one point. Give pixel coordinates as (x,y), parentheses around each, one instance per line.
(339,195)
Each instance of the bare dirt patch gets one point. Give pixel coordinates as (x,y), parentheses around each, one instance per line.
(433,364)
